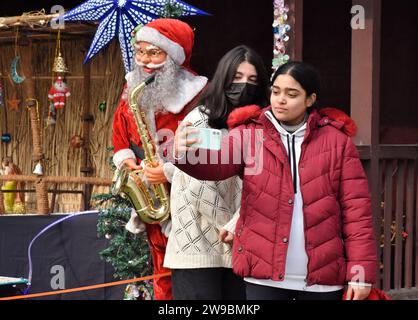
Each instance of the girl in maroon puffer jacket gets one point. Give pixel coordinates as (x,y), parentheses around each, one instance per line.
(305,227)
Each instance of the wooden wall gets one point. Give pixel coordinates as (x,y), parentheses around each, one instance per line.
(107,78)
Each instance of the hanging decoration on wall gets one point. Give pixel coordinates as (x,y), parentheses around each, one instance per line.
(13,66)
(6,138)
(58,93)
(76,141)
(120,17)
(280,30)
(102,106)
(13,104)
(38,169)
(13,71)
(52,115)
(59,66)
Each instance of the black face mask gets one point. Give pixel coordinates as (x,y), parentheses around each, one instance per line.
(242,94)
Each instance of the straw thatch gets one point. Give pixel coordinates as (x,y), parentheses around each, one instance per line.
(106,81)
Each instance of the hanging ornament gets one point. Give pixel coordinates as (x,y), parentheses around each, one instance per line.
(280,30)
(13,103)
(76,141)
(59,63)
(38,169)
(13,66)
(52,115)
(6,138)
(102,106)
(13,71)
(59,90)
(58,93)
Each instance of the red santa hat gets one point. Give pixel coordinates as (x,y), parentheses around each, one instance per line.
(59,80)
(173,36)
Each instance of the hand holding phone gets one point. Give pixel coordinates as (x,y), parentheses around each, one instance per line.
(208,138)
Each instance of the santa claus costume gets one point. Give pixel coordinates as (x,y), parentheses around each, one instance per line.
(176,38)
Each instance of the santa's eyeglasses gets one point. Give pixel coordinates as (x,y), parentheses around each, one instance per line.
(153,53)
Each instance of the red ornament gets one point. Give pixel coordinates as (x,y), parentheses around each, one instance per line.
(76,141)
(58,93)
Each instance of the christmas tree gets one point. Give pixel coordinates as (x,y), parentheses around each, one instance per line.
(128,253)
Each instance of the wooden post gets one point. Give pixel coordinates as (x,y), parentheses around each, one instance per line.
(87,119)
(38,155)
(365,74)
(54,196)
(295,46)
(365,96)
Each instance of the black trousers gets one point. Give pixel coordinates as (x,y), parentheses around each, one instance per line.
(207,284)
(259,292)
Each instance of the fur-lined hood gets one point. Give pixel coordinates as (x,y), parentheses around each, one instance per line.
(329,116)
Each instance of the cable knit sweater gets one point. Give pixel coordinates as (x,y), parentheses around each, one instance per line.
(199,209)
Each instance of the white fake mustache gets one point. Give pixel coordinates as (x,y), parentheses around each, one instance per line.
(150,65)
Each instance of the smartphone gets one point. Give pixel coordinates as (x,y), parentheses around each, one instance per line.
(210,138)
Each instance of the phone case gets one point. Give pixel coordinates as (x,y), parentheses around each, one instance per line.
(210,138)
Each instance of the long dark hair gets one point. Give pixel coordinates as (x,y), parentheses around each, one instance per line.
(307,76)
(214,101)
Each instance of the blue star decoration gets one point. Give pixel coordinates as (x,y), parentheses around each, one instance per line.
(121,17)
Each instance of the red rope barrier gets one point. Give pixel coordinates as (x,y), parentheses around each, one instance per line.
(97,286)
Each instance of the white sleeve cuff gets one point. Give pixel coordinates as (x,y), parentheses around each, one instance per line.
(122,155)
(166,227)
(230,226)
(169,169)
(360,284)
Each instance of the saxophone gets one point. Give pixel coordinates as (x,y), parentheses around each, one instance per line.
(151,204)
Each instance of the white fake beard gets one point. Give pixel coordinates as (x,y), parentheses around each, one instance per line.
(164,86)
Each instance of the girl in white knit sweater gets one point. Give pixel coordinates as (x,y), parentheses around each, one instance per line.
(199,257)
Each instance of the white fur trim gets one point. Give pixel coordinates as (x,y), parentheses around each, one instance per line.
(173,49)
(166,227)
(169,169)
(122,155)
(135,225)
(189,86)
